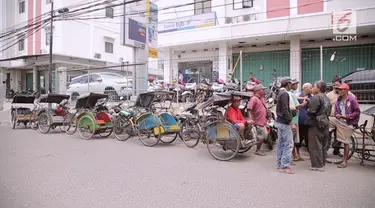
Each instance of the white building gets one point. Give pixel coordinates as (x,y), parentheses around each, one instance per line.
(273,34)
(77,43)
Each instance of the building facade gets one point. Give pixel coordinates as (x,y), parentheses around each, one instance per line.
(79,43)
(282,35)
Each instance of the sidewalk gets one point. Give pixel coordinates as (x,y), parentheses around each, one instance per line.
(5,106)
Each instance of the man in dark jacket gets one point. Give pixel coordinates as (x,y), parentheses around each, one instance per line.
(319,109)
(285,127)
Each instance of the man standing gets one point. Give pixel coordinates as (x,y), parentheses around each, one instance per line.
(303,116)
(296,107)
(257,112)
(319,110)
(284,127)
(347,114)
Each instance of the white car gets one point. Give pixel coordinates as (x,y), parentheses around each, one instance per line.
(104,82)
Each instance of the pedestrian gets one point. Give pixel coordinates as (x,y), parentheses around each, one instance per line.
(347,115)
(303,116)
(295,106)
(333,97)
(284,127)
(319,109)
(257,112)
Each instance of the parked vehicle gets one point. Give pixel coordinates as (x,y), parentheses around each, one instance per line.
(112,84)
(274,87)
(362,84)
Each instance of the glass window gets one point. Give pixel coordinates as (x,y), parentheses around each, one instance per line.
(112,76)
(108,47)
(84,79)
(21,7)
(109,11)
(94,77)
(21,44)
(48,34)
(202,7)
(48,1)
(240,4)
(75,80)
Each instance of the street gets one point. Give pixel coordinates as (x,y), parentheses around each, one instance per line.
(58,170)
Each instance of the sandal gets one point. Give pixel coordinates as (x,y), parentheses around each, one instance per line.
(286,170)
(260,153)
(342,165)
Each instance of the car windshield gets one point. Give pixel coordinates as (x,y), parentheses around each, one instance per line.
(112,76)
(75,80)
(364,75)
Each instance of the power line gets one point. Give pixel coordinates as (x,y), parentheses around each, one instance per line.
(36,29)
(47,14)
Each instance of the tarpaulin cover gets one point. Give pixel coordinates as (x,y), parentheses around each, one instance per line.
(53,98)
(89,100)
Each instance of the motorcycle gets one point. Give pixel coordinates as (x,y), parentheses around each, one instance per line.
(274,87)
(271,128)
(190,92)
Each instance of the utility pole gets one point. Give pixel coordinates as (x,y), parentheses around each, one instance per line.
(50,52)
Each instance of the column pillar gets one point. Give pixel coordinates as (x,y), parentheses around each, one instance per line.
(35,79)
(224,61)
(168,65)
(295,58)
(2,88)
(63,78)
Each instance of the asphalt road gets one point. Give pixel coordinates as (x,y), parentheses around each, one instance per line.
(58,170)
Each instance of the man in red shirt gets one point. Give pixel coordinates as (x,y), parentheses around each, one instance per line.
(234,115)
(257,112)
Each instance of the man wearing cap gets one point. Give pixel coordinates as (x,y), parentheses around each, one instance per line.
(234,115)
(257,112)
(284,125)
(333,96)
(347,114)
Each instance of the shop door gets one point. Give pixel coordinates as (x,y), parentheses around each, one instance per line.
(29,81)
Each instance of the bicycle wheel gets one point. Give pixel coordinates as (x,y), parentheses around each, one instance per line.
(122,128)
(189,133)
(335,150)
(149,132)
(168,139)
(86,127)
(70,125)
(44,123)
(223,141)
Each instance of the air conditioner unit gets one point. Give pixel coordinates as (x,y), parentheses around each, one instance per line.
(228,20)
(246,17)
(98,55)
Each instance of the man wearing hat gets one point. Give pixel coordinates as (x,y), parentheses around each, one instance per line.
(347,113)
(295,106)
(257,112)
(234,115)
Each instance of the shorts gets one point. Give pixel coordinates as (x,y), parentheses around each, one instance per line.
(261,132)
(236,126)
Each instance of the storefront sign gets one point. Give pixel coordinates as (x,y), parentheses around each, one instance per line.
(188,23)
